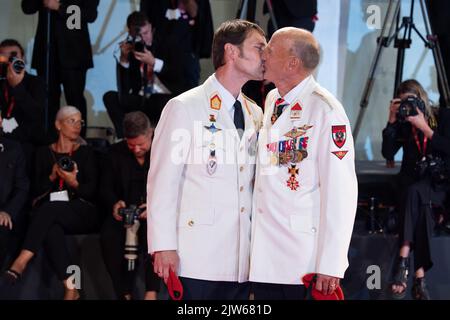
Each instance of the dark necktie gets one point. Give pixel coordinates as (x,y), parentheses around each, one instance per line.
(278,110)
(239,121)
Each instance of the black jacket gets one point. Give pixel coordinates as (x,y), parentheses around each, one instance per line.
(397,135)
(173,74)
(14,184)
(28,110)
(122,178)
(196,39)
(292,9)
(71,48)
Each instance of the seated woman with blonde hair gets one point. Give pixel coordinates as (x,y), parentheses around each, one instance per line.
(64,187)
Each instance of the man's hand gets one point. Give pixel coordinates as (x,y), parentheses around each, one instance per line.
(146,57)
(118,205)
(326,284)
(163,261)
(421,123)
(393,109)
(14,79)
(52,4)
(5,220)
(143,215)
(125,49)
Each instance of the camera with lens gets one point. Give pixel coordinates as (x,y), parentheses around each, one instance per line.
(136,41)
(18,65)
(408,108)
(432,167)
(66,164)
(130,214)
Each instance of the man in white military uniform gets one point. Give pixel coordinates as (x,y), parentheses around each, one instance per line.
(306,189)
(201,176)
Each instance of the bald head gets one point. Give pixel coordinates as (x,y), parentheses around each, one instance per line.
(302,44)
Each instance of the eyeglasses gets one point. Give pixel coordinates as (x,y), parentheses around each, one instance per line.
(73,122)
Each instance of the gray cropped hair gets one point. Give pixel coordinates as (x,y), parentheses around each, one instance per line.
(308,52)
(136,124)
(66,111)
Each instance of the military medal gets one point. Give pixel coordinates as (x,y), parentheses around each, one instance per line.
(211,165)
(292,182)
(215,105)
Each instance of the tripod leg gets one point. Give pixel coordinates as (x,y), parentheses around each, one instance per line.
(437,54)
(382,42)
(272,15)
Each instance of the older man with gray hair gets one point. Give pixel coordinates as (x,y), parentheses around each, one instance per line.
(306,188)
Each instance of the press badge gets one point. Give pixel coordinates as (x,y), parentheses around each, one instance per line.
(9,125)
(173,14)
(59,196)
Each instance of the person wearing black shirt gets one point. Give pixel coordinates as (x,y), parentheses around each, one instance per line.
(421,139)
(292,13)
(189,24)
(13,189)
(64,192)
(70,50)
(22,102)
(123,184)
(146,80)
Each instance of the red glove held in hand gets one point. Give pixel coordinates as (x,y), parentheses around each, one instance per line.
(309,281)
(174,286)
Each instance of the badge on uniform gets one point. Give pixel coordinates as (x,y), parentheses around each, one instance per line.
(211,165)
(215,102)
(296,112)
(340,154)
(298,132)
(339,134)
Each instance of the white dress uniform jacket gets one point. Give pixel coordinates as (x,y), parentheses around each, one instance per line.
(202,208)
(306,189)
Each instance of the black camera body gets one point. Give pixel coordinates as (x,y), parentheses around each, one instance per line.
(408,108)
(137,42)
(18,66)
(433,167)
(130,214)
(66,164)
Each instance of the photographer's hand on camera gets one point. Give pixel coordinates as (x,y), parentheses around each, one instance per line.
(14,78)
(421,124)
(117,206)
(69,177)
(393,109)
(146,57)
(125,50)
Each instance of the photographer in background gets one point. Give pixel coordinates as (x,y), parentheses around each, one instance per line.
(123,185)
(422,181)
(149,73)
(70,51)
(21,98)
(13,190)
(65,185)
